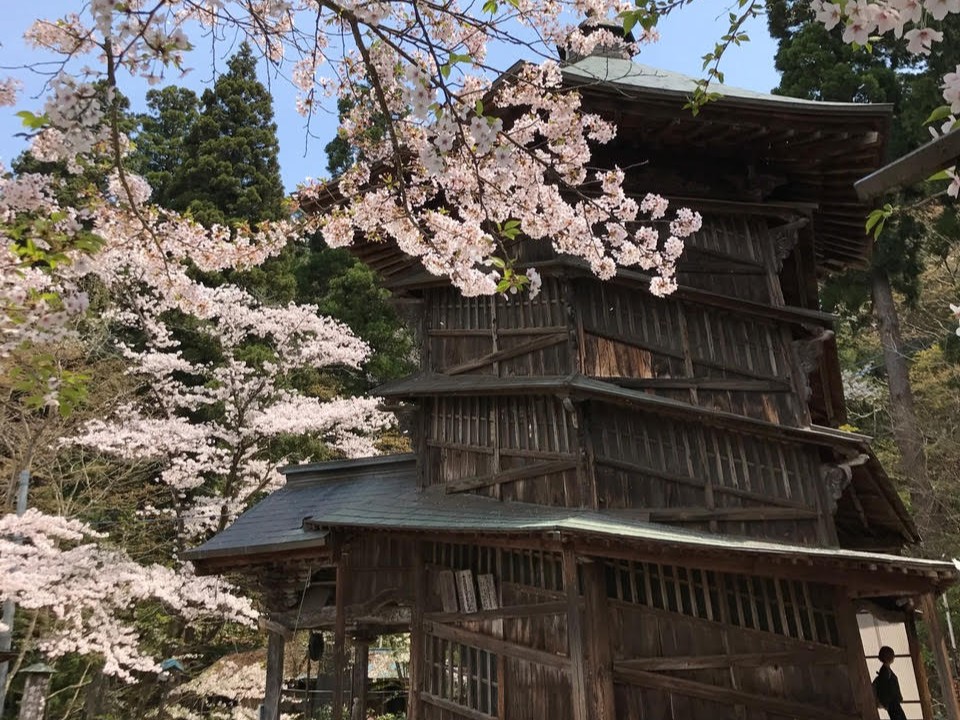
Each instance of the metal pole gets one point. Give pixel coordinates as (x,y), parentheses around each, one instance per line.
(9,607)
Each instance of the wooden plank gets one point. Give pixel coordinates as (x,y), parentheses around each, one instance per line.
(488,592)
(938,646)
(716,693)
(502,613)
(496,645)
(575,645)
(598,644)
(455,708)
(506,354)
(447,585)
(700,383)
(694,514)
(274,685)
(824,656)
(466,592)
(521,473)
(919,667)
(503,332)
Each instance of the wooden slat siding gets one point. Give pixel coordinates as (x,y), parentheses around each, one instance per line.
(862,689)
(919,666)
(941,656)
(731,603)
(779,474)
(716,693)
(576,648)
(496,645)
(729,640)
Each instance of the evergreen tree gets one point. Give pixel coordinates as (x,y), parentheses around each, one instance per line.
(161,152)
(230,173)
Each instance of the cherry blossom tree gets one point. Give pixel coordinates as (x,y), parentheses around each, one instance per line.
(503,155)
(420,70)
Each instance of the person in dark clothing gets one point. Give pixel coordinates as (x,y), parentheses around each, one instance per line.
(886,686)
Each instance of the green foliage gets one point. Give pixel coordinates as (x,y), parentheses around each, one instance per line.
(160,153)
(228,172)
(349,291)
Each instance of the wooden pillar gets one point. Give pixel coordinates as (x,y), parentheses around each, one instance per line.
(274,685)
(575,647)
(358,680)
(417,649)
(33,703)
(938,644)
(340,636)
(919,669)
(599,650)
(860,681)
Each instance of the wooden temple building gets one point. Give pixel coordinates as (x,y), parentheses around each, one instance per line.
(621,506)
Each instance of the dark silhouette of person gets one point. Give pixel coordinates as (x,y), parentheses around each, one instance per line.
(886,686)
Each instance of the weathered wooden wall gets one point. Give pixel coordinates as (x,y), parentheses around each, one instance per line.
(631,640)
(725,344)
(716,349)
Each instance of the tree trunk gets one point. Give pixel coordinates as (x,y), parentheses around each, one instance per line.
(906,429)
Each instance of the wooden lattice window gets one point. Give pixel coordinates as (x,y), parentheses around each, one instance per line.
(792,608)
(460,674)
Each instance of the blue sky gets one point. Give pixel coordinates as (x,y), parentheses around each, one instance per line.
(686,37)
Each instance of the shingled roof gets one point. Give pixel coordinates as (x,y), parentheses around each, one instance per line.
(382,494)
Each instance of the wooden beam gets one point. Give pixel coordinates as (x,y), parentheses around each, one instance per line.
(496,645)
(718,693)
(693,482)
(506,354)
(358,679)
(598,643)
(458,711)
(510,611)
(390,616)
(919,668)
(941,657)
(825,656)
(274,685)
(912,167)
(575,644)
(339,636)
(417,646)
(508,476)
